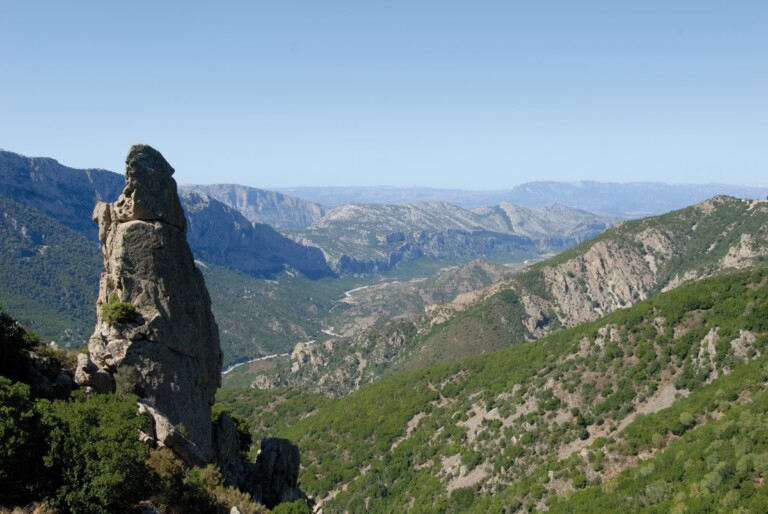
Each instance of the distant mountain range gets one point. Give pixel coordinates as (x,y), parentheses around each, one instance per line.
(623,200)
(375,237)
(231,225)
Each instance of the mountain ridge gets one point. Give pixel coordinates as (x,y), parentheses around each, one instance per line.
(70,195)
(626,264)
(371,237)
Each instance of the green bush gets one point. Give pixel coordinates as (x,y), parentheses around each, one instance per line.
(206,492)
(297,507)
(169,473)
(116,311)
(14,341)
(95,450)
(21,444)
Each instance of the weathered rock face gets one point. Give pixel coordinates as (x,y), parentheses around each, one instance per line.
(170,355)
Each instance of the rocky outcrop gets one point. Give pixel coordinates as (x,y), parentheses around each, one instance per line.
(227,449)
(164,343)
(605,278)
(276,473)
(169,352)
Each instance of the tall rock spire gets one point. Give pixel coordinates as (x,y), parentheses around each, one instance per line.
(166,348)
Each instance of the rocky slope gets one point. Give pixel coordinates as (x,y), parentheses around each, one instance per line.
(66,194)
(368,238)
(623,266)
(344,195)
(553,224)
(514,430)
(384,301)
(261,206)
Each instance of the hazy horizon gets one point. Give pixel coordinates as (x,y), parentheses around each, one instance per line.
(418,186)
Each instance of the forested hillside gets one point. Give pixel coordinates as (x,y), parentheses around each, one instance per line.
(49,273)
(518,428)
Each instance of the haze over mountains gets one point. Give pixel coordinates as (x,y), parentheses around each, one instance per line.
(366,238)
(613,199)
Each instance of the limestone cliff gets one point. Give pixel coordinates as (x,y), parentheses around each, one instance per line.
(169,353)
(261,206)
(221,235)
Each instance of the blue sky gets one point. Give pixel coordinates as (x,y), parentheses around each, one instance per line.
(457,94)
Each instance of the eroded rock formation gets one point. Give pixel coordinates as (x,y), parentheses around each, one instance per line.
(277,473)
(156,335)
(169,352)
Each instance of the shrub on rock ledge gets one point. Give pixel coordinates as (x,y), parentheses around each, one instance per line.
(116,311)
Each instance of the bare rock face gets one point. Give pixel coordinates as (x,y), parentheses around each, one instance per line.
(169,352)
